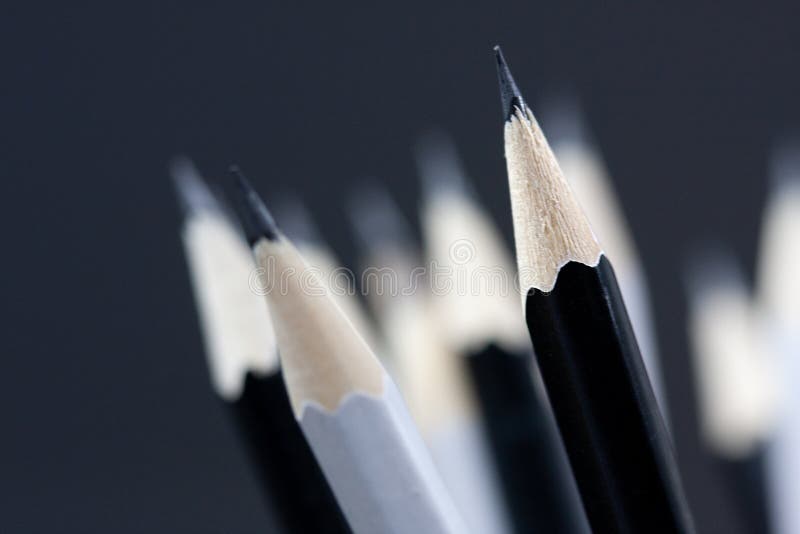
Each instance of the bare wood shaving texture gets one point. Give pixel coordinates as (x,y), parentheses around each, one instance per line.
(550,228)
(324,358)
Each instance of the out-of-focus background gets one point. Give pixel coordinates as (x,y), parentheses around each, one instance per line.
(108,420)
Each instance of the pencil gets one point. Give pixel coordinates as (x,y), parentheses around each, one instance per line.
(737,389)
(603,402)
(243,361)
(582,164)
(298,225)
(478,316)
(349,409)
(430,376)
(777,299)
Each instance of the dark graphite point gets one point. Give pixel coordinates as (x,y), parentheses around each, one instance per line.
(256,218)
(510,96)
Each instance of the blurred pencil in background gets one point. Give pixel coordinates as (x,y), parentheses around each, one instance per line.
(778,306)
(429,373)
(737,387)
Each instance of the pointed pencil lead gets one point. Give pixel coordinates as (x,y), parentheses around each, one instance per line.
(256,218)
(510,96)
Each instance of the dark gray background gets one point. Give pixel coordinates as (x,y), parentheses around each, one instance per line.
(108,421)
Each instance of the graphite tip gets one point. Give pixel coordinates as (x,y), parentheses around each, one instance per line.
(256,219)
(510,96)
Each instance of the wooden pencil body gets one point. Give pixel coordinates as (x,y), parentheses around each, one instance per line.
(289,474)
(534,473)
(395,492)
(604,405)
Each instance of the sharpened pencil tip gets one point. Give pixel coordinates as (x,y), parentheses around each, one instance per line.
(510,96)
(193,193)
(256,219)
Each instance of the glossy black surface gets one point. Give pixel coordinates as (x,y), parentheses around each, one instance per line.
(534,474)
(606,412)
(293,482)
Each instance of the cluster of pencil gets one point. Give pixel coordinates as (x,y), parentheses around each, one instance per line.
(448,407)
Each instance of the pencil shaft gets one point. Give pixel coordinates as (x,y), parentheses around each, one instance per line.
(535,476)
(288,472)
(604,405)
(393,492)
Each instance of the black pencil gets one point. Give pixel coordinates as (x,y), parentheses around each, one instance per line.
(481,324)
(589,360)
(583,166)
(243,361)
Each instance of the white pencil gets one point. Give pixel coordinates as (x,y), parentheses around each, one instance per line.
(583,165)
(346,403)
(778,298)
(430,375)
(298,225)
